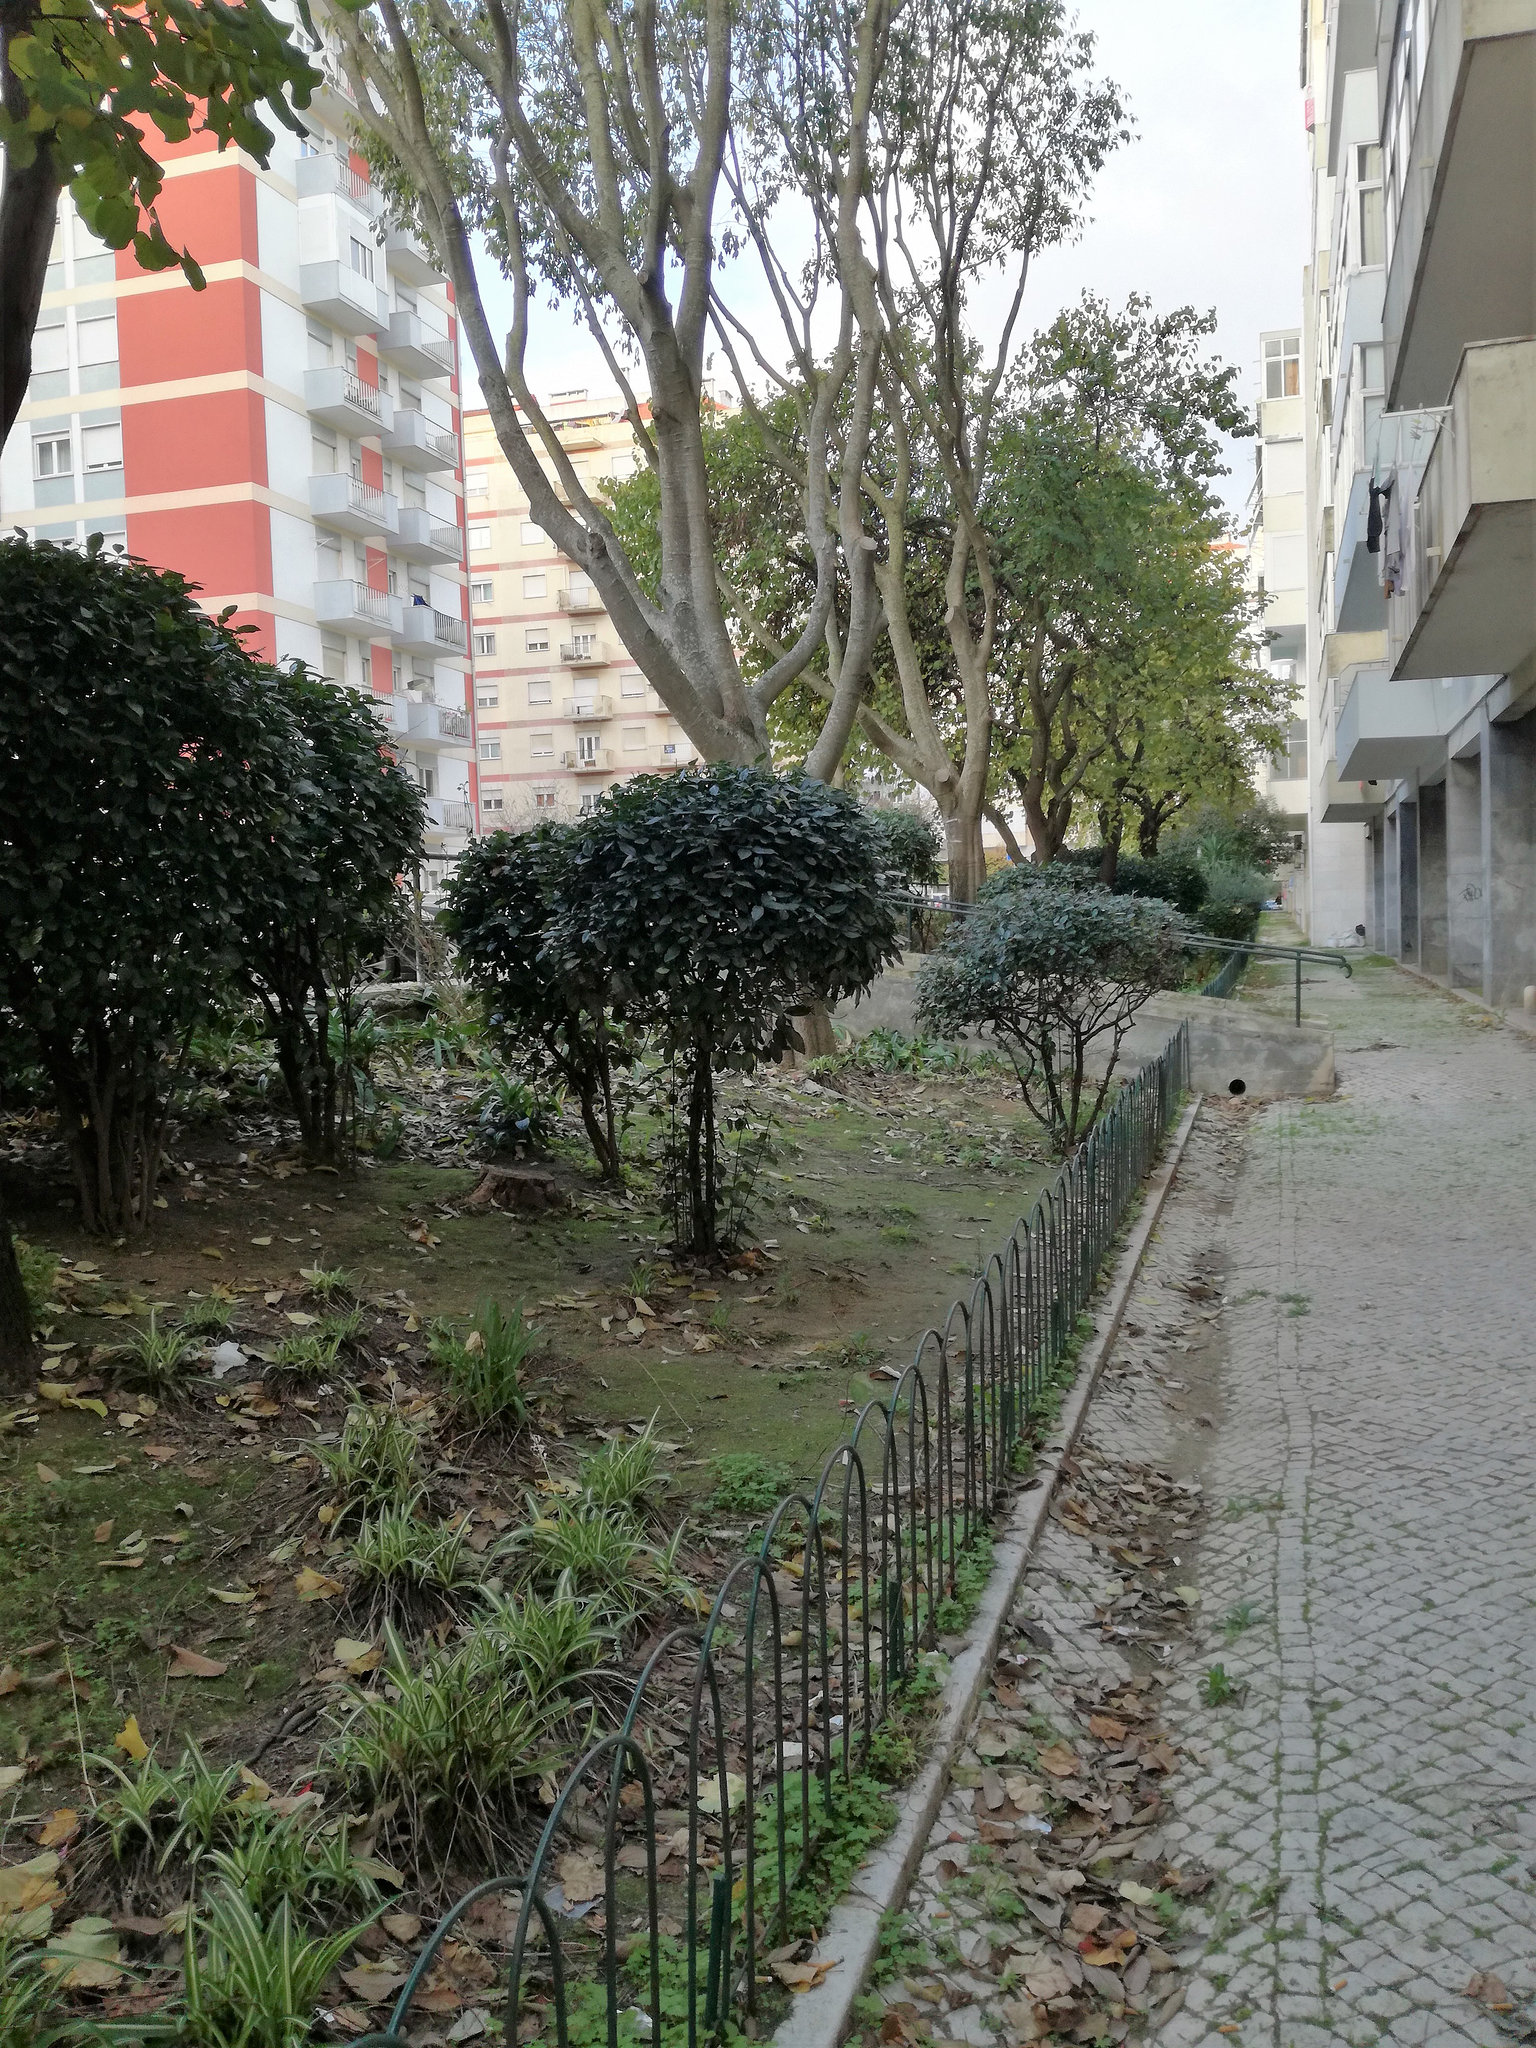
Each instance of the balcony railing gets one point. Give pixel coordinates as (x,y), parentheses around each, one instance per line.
(339,500)
(425,626)
(603,762)
(444,815)
(425,539)
(316,176)
(416,350)
(578,601)
(588,707)
(586,651)
(338,396)
(418,445)
(356,607)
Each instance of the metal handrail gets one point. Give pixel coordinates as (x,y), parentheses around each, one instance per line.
(1244,949)
(817,1628)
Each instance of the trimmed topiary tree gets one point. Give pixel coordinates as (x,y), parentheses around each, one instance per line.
(713,906)
(502,898)
(1046,969)
(907,846)
(352,829)
(145,775)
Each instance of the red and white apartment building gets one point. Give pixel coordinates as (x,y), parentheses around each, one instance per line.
(288,438)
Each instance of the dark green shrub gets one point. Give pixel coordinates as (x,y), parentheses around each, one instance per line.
(1047,970)
(907,845)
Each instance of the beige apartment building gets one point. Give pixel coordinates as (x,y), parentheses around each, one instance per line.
(561,712)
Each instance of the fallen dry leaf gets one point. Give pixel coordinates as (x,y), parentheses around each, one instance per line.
(372,1984)
(26,1886)
(231,1596)
(581,1879)
(1106,1728)
(1060,1761)
(312,1585)
(102,1533)
(47,1475)
(190,1664)
(804,1976)
(130,1741)
(401,1926)
(58,1827)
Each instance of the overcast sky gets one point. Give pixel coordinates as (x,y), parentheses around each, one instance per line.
(1207,206)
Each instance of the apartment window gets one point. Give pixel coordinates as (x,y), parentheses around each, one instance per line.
(102,447)
(536,585)
(485,643)
(1373,367)
(586,748)
(490,750)
(1282,365)
(536,640)
(362,259)
(582,590)
(584,645)
(484,592)
(50,344)
(53,456)
(539,690)
(1373,228)
(541,746)
(479,539)
(493,800)
(96,340)
(396,672)
(533,536)
(543,799)
(333,658)
(588,803)
(477,482)
(669,750)
(631,683)
(487,697)
(634,738)
(392,578)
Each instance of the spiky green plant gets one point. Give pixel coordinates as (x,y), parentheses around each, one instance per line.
(483,1365)
(625,1473)
(155,1361)
(400,1560)
(376,1464)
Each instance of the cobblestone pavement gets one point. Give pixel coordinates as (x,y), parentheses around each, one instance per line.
(1334,1340)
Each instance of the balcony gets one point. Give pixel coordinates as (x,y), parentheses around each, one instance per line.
(338,396)
(341,296)
(333,98)
(446,816)
(408,257)
(342,502)
(416,444)
(425,723)
(326,176)
(578,601)
(354,607)
(425,539)
(1350,803)
(425,627)
(413,348)
(1466,604)
(585,651)
(588,707)
(601,762)
(1462,262)
(1387,730)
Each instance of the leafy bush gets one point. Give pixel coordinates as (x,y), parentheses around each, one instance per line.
(483,1367)
(502,898)
(747,1484)
(908,846)
(39,1275)
(511,1114)
(399,1561)
(1174,876)
(155,1361)
(1047,970)
(147,772)
(625,1473)
(454,1740)
(1235,901)
(711,908)
(376,1464)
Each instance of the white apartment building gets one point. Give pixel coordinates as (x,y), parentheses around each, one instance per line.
(1276,556)
(562,712)
(1419,389)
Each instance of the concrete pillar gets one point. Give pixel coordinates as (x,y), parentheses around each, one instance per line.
(1376,907)
(1391,886)
(1466,898)
(1432,880)
(1408,882)
(1509,861)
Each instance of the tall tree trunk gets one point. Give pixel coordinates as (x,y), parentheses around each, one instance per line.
(1109,860)
(29,208)
(967,860)
(17,1357)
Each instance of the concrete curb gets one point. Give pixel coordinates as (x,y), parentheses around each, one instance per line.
(823,2018)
